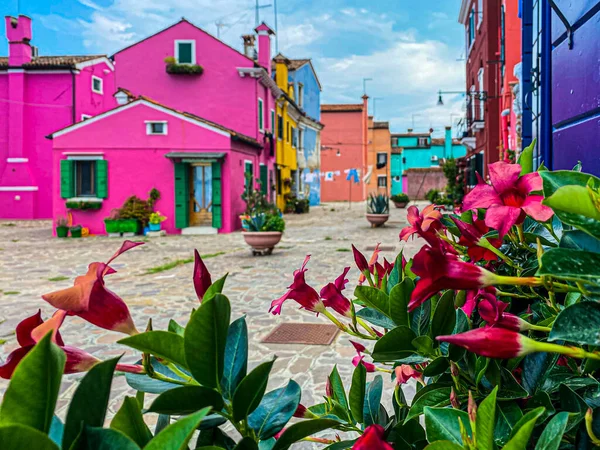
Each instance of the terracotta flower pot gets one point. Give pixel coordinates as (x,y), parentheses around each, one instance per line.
(377,220)
(262,240)
(400,204)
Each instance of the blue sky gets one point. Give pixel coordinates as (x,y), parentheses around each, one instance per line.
(410,48)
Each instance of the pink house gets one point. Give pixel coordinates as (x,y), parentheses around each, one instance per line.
(192,133)
(38,95)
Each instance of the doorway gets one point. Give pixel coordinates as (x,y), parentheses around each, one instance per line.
(201,194)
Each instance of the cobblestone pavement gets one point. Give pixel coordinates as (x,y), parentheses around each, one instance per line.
(33,263)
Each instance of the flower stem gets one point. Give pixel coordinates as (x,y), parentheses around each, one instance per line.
(521,234)
(574,352)
(334,319)
(539,328)
(488,246)
(519,281)
(366,327)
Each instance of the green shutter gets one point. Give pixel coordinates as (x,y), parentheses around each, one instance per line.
(264,179)
(260,115)
(217,208)
(67,182)
(102,178)
(182,196)
(185,53)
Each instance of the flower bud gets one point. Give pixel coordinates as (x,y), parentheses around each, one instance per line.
(454,399)
(360,260)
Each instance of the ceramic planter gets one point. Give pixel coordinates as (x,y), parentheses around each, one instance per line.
(154,226)
(400,204)
(129,226)
(76,232)
(62,232)
(112,226)
(262,241)
(376,220)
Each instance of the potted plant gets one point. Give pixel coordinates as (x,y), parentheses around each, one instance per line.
(76,231)
(264,232)
(378,209)
(62,227)
(156,218)
(112,222)
(173,67)
(400,200)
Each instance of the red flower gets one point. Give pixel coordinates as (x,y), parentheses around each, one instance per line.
(492,342)
(508,199)
(201,277)
(472,236)
(439,271)
(359,358)
(371,264)
(360,260)
(426,224)
(300,292)
(405,373)
(372,439)
(332,295)
(89,299)
(474,296)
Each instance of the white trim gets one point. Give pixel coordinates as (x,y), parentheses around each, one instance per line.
(85,157)
(95,61)
(263,33)
(85,199)
(17,160)
(185,41)
(101,90)
(272,120)
(260,106)
(386,183)
(85,117)
(46,72)
(149,124)
(133,104)
(17,188)
(82,153)
(16,70)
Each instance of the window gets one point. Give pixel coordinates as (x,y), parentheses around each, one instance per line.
(156,127)
(272,121)
(481,98)
(422,142)
(261,115)
(279,127)
(85,178)
(294,137)
(185,52)
(479,12)
(382,181)
(394,142)
(300,95)
(288,134)
(471,29)
(381,160)
(96,84)
(85,116)
(300,140)
(502,41)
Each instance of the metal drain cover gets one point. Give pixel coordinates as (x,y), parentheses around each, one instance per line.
(383,248)
(302,333)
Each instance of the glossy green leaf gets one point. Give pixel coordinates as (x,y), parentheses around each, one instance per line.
(246,444)
(523,429)
(444,317)
(570,264)
(526,158)
(162,344)
(301,430)
(250,391)
(177,435)
(205,340)
(89,403)
(143,383)
(357,392)
(486,419)
(456,353)
(536,368)
(342,445)
(373,393)
(373,298)
(507,416)
(443,424)
(396,274)
(373,316)
(580,240)
(186,400)
(436,367)
(236,357)
(97,438)
(57,430)
(444,445)
(162,422)
(399,298)
(424,345)
(419,318)
(554,180)
(267,445)
(438,397)
(551,437)
(214,437)
(174,327)
(21,437)
(337,388)
(275,410)
(215,288)
(573,199)
(130,422)
(408,434)
(395,344)
(579,323)
(571,401)
(31,395)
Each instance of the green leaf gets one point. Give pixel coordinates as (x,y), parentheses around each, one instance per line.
(396,273)
(214,289)
(486,419)
(508,414)
(89,403)
(570,264)
(250,391)
(580,240)
(443,424)
(163,344)
(177,435)
(438,397)
(143,383)
(21,437)
(205,340)
(214,437)
(570,400)
(436,367)
(523,429)
(97,438)
(394,345)
(236,357)
(337,388)
(444,445)
(130,422)
(275,410)
(357,392)
(373,394)
(174,327)
(536,368)
(246,444)
(373,316)
(301,430)
(579,323)
(31,395)
(374,298)
(444,317)
(456,353)
(419,318)
(186,400)
(56,430)
(399,298)
(424,345)
(573,199)
(552,181)
(526,158)
(552,435)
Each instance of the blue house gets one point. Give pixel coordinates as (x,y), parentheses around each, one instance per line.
(418,151)
(307,96)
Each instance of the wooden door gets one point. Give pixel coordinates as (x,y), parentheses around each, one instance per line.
(201,194)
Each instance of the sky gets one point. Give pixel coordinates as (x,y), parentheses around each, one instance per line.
(409,48)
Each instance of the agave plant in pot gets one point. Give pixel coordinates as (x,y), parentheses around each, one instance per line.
(400,200)
(263,233)
(378,209)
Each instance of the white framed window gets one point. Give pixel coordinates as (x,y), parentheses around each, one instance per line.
(479,13)
(300,95)
(97,84)
(382,181)
(85,117)
(156,127)
(261,115)
(394,142)
(480,87)
(422,142)
(381,160)
(185,51)
(272,120)
(472,99)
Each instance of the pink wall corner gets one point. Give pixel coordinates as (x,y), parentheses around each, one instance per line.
(89,102)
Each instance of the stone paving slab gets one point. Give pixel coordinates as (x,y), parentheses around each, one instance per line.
(30,257)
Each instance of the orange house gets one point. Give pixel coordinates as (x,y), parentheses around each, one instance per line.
(379,157)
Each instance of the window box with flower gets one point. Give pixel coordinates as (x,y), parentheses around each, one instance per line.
(175,68)
(156,218)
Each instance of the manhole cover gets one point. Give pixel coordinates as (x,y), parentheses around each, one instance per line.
(383,248)
(302,333)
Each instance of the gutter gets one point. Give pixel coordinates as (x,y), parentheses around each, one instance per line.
(73,97)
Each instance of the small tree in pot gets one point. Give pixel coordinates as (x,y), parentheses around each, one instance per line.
(400,200)
(378,209)
(62,227)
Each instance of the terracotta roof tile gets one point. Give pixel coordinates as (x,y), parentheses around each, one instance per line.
(297,63)
(54,62)
(358,107)
(438,141)
(381,125)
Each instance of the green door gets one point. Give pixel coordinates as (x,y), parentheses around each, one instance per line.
(217,201)
(182,195)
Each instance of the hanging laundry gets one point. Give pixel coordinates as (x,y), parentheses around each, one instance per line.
(353,176)
(329,176)
(337,173)
(310,177)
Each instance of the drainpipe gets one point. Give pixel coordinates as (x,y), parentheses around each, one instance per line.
(73,97)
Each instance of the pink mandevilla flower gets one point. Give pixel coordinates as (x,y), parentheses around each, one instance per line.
(332,295)
(201,277)
(372,439)
(301,292)
(405,372)
(470,236)
(509,197)
(492,342)
(359,358)
(426,224)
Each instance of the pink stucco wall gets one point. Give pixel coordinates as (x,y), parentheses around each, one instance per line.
(219,94)
(137,162)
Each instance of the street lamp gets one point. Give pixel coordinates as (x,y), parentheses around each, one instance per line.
(440,101)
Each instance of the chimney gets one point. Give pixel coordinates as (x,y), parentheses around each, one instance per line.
(264,45)
(18,33)
(249,50)
(410,130)
(448,143)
